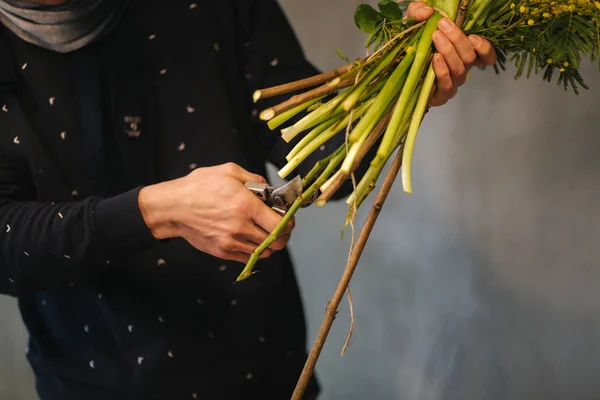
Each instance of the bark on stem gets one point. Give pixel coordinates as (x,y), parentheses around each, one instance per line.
(299,99)
(304,83)
(462,12)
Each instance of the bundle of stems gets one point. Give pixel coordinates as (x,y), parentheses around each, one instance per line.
(381,99)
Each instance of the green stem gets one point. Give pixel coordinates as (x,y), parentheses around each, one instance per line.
(287,115)
(479,14)
(310,136)
(384,98)
(336,110)
(314,107)
(450,7)
(417,118)
(380,107)
(273,236)
(370,120)
(333,106)
(367,183)
(424,50)
(324,137)
(352,99)
(316,117)
(374,88)
(255,256)
(319,166)
(364,187)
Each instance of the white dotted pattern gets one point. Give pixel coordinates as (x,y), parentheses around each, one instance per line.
(181,147)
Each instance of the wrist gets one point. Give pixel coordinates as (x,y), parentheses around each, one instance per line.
(157,204)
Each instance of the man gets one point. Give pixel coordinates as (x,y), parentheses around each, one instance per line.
(126,137)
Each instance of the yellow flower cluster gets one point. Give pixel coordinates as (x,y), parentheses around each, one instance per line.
(534,12)
(548,37)
(549,9)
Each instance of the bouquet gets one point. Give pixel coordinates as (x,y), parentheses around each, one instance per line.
(381,99)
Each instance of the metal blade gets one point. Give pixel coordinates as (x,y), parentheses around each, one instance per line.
(288,193)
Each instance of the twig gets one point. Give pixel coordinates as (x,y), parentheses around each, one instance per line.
(462,12)
(304,83)
(333,305)
(298,99)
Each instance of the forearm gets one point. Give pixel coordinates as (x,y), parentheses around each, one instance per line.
(44,244)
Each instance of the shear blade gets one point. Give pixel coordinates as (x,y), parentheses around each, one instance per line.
(290,191)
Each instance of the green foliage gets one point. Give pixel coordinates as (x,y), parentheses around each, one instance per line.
(541,37)
(367,18)
(390,10)
(370,20)
(342,55)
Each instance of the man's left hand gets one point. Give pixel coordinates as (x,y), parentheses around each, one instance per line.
(456,55)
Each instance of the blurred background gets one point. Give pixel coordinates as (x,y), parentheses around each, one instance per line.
(483,284)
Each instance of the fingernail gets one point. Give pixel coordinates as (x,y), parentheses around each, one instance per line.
(423,13)
(475,40)
(438,59)
(445,24)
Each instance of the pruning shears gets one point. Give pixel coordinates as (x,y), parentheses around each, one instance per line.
(280,198)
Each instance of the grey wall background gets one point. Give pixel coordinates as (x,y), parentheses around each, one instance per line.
(481,285)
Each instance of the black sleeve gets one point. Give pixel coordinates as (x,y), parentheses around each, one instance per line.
(272,55)
(45,244)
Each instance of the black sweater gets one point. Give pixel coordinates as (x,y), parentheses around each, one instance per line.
(111,312)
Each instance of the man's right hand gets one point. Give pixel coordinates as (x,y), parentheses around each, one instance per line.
(213,210)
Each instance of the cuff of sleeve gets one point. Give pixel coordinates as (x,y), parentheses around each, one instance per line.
(120,224)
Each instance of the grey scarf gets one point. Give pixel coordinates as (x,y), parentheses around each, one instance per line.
(63,28)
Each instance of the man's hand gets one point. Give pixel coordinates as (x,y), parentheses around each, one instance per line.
(457,53)
(213,210)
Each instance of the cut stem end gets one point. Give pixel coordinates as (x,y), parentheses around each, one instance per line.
(267,114)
